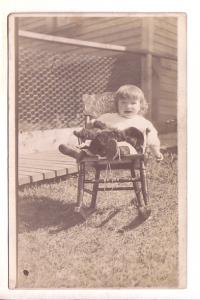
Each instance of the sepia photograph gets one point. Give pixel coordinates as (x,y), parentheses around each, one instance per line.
(97,150)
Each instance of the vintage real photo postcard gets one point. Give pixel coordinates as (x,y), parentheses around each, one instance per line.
(97,150)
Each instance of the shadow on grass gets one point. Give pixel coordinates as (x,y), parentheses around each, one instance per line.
(38,213)
(109,217)
(133,225)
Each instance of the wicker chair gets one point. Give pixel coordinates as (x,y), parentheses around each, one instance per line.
(95,105)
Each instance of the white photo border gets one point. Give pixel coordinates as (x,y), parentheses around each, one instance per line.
(193,289)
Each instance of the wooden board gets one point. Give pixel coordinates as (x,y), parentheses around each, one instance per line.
(164,24)
(36,167)
(164,33)
(168,73)
(167,80)
(165,41)
(168,88)
(164,49)
(104,28)
(168,64)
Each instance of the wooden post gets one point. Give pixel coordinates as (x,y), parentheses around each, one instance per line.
(147,61)
(146,80)
(70,41)
(156,89)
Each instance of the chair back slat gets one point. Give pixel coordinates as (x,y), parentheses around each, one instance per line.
(98,104)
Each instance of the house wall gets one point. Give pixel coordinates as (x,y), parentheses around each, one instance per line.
(165,42)
(126,31)
(168,90)
(165,36)
(119,31)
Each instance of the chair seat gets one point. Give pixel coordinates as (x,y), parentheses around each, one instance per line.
(100,159)
(123,163)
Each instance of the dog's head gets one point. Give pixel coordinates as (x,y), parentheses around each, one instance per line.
(135,137)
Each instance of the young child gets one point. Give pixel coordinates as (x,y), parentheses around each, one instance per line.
(131,106)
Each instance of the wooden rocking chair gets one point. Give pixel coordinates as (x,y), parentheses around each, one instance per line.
(95,105)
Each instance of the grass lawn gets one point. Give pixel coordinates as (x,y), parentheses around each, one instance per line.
(58,249)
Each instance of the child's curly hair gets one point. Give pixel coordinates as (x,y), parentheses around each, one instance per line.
(132,92)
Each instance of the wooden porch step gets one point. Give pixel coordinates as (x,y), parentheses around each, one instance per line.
(39,166)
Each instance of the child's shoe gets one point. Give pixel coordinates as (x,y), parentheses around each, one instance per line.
(72,151)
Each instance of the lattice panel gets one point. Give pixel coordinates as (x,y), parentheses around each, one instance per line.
(51,86)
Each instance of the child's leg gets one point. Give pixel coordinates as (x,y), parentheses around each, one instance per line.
(116,149)
(72,151)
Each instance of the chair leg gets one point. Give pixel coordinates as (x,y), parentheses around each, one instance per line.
(136,188)
(95,188)
(144,210)
(80,193)
(144,183)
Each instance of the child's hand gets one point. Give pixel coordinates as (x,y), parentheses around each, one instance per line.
(159,157)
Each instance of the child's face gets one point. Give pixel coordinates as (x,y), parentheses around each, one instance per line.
(128,107)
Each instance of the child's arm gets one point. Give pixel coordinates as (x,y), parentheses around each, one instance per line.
(156,151)
(153,142)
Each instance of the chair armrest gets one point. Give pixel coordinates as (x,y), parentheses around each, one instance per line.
(87,125)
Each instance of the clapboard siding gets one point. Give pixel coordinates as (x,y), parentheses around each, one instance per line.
(169,75)
(165,36)
(84,31)
(162,40)
(167,112)
(115,30)
(167,89)
(168,81)
(168,101)
(30,23)
(166,22)
(163,32)
(171,105)
(126,35)
(164,49)
(126,32)
(109,24)
(169,64)
(91,21)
